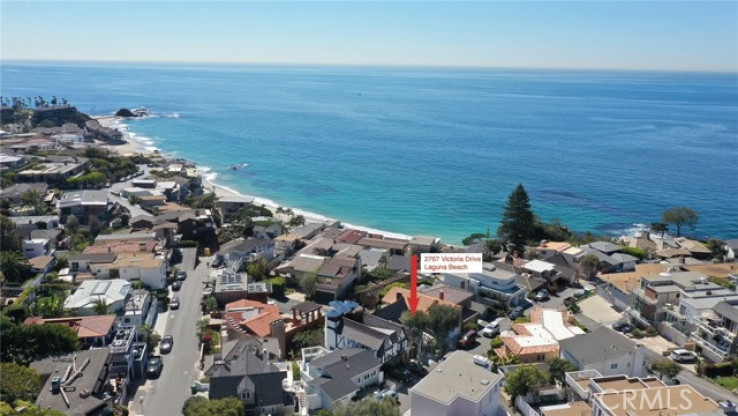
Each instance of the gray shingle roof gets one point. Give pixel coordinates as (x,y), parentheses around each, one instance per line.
(727,310)
(600,344)
(339,369)
(244,245)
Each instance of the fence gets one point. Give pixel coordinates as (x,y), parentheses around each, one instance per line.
(524,407)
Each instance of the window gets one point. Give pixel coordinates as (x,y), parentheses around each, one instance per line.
(613,366)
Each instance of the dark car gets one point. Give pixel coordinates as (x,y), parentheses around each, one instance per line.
(467,340)
(174,304)
(166,344)
(176,286)
(401,374)
(623,327)
(417,369)
(153,370)
(541,295)
(568,301)
(516,312)
(181,275)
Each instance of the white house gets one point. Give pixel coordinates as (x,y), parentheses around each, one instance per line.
(493,285)
(457,386)
(34,247)
(605,351)
(113,293)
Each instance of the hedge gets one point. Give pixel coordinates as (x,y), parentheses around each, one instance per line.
(719,370)
(279,285)
(187,243)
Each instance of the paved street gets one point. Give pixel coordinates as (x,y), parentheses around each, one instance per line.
(166,395)
(116,188)
(705,387)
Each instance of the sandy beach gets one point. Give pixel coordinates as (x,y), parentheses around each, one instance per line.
(134,145)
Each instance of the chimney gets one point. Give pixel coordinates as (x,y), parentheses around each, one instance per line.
(278,332)
(441,295)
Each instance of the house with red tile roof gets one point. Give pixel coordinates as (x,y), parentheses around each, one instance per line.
(250,317)
(92,331)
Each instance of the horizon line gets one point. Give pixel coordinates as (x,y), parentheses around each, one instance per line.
(363,65)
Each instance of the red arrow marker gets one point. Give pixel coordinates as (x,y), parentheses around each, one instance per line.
(413,284)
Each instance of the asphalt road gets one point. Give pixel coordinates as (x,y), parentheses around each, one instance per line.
(116,187)
(705,387)
(166,395)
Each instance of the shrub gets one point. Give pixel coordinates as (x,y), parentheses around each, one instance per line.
(636,252)
(279,284)
(496,342)
(718,370)
(187,243)
(638,334)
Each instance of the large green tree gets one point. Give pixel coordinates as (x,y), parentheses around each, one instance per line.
(18,382)
(442,319)
(415,325)
(523,380)
(309,283)
(35,199)
(557,369)
(681,216)
(23,343)
(589,265)
(667,368)
(258,270)
(15,266)
(8,238)
(518,221)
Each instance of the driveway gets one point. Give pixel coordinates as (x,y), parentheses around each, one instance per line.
(166,395)
(598,310)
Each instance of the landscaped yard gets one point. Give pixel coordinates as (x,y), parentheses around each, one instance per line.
(729,383)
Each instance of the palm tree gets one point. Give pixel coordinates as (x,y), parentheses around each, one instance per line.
(100,306)
(15,266)
(202,328)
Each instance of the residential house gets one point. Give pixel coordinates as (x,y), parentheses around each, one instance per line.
(229,206)
(655,292)
(84,205)
(395,246)
(243,251)
(244,370)
(548,248)
(716,334)
(302,265)
(151,202)
(351,236)
(14,193)
(335,377)
(399,264)
(373,258)
(251,318)
(92,331)
(538,340)
(695,248)
(42,264)
(88,263)
(138,309)
(397,299)
(76,385)
(10,163)
(620,395)
(42,245)
(113,293)
(49,222)
(50,172)
(230,287)
(147,267)
(606,351)
(268,230)
(346,328)
(337,276)
(680,320)
(493,287)
(425,244)
(457,386)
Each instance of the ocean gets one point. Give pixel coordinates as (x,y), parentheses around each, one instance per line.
(433,151)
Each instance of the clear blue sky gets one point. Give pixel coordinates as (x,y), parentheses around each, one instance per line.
(665,35)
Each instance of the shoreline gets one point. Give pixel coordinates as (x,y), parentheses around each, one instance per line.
(147,147)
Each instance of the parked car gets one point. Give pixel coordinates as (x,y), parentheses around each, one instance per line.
(681,355)
(467,340)
(541,295)
(623,327)
(401,374)
(153,370)
(492,329)
(417,369)
(207,292)
(174,304)
(569,300)
(516,312)
(166,344)
(176,286)
(181,275)
(388,392)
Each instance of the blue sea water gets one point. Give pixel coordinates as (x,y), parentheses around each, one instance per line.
(434,151)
